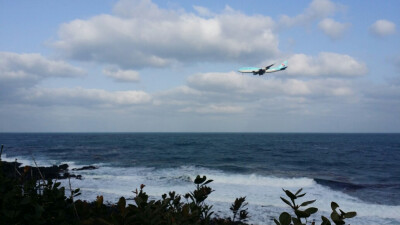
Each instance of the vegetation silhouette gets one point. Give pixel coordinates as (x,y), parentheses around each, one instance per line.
(28,199)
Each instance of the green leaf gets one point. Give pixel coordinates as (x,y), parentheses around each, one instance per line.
(26,200)
(325,221)
(350,215)
(287,202)
(307,203)
(298,192)
(340,222)
(121,204)
(56,185)
(311,210)
(39,209)
(209,181)
(199,179)
(289,194)
(336,218)
(302,214)
(276,222)
(285,218)
(299,196)
(334,205)
(296,221)
(102,221)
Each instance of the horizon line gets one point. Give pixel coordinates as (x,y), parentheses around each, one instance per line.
(194,132)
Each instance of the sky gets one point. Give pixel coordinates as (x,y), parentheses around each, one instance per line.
(171,66)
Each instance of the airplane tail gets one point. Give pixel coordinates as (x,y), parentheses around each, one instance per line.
(283,65)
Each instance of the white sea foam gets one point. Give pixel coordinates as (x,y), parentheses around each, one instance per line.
(23,160)
(262,192)
(30,161)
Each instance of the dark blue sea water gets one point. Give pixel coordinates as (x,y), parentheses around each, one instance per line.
(355,170)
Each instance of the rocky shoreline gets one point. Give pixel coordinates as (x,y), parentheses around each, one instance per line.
(16,169)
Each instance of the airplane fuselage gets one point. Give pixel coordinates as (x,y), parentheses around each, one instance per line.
(261,71)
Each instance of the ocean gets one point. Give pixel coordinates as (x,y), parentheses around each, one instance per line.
(361,172)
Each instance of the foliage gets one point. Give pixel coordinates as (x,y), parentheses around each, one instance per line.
(26,200)
(30,201)
(337,218)
(286,219)
(239,206)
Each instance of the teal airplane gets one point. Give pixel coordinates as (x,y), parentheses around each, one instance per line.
(261,71)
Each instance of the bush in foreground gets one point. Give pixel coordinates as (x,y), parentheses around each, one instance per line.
(30,201)
(286,219)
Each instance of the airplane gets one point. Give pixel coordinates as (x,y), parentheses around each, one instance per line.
(261,71)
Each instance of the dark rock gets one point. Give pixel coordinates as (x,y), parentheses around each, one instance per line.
(9,168)
(86,168)
(13,170)
(63,167)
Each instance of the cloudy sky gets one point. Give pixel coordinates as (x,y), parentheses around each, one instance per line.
(171,66)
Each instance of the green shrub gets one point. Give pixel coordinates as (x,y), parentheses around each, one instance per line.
(38,202)
(33,203)
(286,219)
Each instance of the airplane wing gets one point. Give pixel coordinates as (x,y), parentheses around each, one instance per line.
(262,71)
(267,67)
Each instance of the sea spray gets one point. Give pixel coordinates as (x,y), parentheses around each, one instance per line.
(262,192)
(359,171)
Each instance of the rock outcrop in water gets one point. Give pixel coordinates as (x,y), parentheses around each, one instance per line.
(14,169)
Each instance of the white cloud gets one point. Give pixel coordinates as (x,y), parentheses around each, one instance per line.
(28,68)
(141,8)
(202,11)
(84,97)
(140,34)
(19,71)
(382,28)
(122,75)
(326,63)
(332,28)
(243,86)
(316,10)
(213,109)
(247,95)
